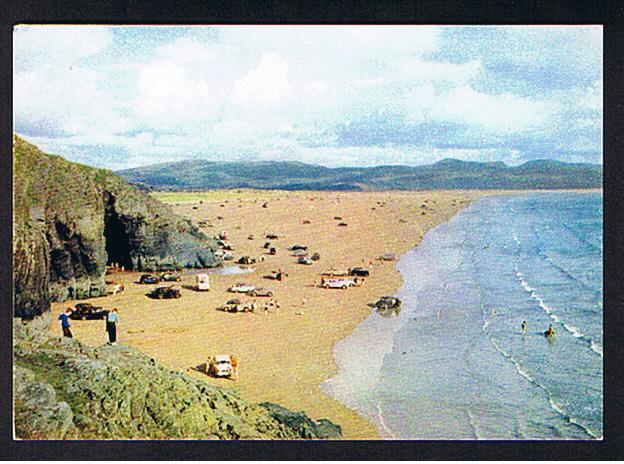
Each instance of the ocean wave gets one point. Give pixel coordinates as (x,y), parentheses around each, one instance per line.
(576,279)
(521,370)
(385,429)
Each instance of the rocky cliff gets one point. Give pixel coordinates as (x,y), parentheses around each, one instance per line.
(66,390)
(71,220)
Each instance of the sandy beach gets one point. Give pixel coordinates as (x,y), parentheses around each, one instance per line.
(286,355)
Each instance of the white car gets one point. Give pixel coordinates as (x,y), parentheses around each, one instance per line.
(338,283)
(220,366)
(242,288)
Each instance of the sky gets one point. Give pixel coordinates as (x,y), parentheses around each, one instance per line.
(121,97)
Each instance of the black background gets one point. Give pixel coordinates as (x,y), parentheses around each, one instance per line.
(608,13)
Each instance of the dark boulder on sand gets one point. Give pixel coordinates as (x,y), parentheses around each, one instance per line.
(70,220)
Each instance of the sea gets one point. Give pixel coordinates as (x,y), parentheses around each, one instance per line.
(454,362)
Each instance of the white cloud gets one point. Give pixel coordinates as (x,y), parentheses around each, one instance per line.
(504,112)
(275,91)
(169,98)
(266,85)
(61,46)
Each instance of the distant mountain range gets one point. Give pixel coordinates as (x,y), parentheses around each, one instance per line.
(445,174)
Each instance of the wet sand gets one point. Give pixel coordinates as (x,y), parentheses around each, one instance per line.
(286,355)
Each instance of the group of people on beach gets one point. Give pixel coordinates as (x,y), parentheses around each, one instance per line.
(112,319)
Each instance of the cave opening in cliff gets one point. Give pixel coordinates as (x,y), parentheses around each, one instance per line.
(117,239)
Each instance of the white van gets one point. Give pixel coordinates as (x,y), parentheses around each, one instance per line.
(202,282)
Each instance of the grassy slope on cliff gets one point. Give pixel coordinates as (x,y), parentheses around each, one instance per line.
(64,389)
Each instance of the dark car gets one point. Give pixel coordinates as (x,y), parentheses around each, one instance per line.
(359,271)
(89,312)
(149,279)
(299,247)
(388,302)
(165,292)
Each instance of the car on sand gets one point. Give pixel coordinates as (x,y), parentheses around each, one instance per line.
(241,287)
(89,312)
(386,302)
(170,277)
(149,279)
(359,271)
(165,292)
(261,291)
(220,366)
(337,283)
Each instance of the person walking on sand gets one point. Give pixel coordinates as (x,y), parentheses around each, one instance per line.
(111,326)
(65,325)
(234,363)
(524,327)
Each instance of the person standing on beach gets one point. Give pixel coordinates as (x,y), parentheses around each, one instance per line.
(65,325)
(111,326)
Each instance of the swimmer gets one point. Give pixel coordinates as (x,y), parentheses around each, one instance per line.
(524,327)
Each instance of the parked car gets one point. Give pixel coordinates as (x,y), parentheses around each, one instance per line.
(359,271)
(336,272)
(260,291)
(236,307)
(388,256)
(241,288)
(271,236)
(304,260)
(272,251)
(149,279)
(89,312)
(202,282)
(337,283)
(220,366)
(165,292)
(170,277)
(386,302)
(276,275)
(299,247)
(246,260)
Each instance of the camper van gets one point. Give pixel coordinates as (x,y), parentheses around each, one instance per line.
(202,281)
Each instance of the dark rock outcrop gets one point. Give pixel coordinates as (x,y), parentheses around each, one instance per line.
(70,220)
(66,390)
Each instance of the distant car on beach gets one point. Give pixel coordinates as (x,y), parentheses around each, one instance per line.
(241,288)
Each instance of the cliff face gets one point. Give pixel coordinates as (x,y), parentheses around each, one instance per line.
(71,220)
(66,390)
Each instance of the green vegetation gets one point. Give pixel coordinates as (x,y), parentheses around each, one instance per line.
(66,390)
(210,195)
(445,174)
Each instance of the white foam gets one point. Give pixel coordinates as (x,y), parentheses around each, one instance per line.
(596,348)
(383,424)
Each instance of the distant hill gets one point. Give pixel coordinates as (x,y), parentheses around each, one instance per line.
(445,174)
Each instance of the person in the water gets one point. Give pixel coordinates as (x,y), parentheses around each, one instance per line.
(524,327)
(550,332)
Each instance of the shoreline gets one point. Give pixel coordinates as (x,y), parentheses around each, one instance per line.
(285,356)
